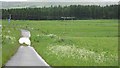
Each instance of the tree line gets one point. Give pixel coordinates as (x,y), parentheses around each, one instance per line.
(59,12)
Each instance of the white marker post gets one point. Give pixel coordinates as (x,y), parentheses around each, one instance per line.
(9,18)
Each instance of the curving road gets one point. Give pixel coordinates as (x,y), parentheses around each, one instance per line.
(26,56)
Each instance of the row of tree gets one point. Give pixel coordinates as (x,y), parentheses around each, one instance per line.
(60,12)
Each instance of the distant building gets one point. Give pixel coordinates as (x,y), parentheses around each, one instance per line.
(68,18)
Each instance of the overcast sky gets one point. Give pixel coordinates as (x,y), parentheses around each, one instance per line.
(76,0)
(67,0)
(47,3)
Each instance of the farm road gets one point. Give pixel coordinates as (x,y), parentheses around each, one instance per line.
(26,56)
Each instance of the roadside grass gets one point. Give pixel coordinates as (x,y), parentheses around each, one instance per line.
(67,43)
(79,52)
(85,52)
(96,36)
(10,36)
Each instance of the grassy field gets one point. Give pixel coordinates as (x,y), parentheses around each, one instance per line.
(10,36)
(66,43)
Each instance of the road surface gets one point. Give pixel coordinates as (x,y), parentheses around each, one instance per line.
(26,56)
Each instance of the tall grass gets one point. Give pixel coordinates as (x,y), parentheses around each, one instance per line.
(10,36)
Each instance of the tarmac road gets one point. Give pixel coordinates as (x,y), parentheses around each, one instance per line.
(26,56)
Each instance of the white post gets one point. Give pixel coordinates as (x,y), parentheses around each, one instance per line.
(9,18)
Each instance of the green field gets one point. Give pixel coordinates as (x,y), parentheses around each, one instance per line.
(10,36)
(66,43)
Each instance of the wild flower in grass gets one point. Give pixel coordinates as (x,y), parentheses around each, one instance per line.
(32,28)
(9,37)
(98,58)
(8,31)
(51,35)
(70,51)
(12,42)
(38,35)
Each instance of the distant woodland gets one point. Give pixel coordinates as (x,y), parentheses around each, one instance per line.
(76,12)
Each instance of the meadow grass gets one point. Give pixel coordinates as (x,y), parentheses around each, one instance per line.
(66,43)
(10,36)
